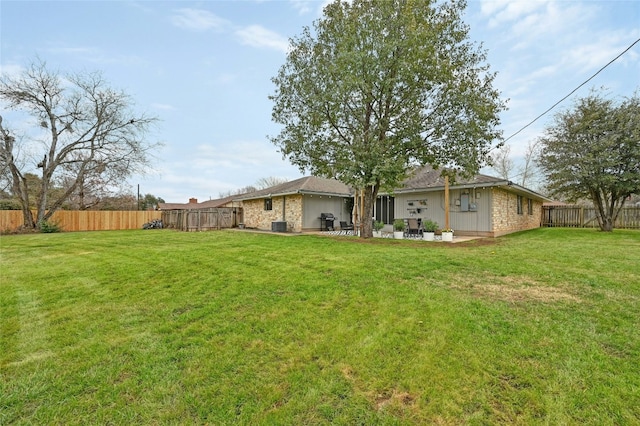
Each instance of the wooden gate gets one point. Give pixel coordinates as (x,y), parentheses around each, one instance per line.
(202,220)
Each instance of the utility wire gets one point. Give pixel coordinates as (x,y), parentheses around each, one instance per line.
(574,90)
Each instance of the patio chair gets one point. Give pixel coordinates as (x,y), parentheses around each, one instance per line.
(413,228)
(348,229)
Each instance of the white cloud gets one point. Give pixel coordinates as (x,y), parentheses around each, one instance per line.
(507,11)
(302,6)
(11,70)
(235,155)
(96,55)
(258,36)
(210,169)
(594,55)
(530,22)
(198,20)
(543,72)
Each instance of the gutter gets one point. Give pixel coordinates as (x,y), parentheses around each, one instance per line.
(504,184)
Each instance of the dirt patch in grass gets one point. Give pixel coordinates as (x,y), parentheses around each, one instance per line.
(394,398)
(516,289)
(391,399)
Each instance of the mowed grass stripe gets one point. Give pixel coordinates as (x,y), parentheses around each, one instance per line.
(241,328)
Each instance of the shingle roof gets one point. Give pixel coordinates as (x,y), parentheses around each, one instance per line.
(304,185)
(426,178)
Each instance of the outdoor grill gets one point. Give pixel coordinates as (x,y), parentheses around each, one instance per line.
(326,221)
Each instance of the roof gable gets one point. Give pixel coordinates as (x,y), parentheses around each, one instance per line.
(303,185)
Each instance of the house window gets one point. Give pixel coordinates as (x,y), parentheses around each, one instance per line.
(529,206)
(268,204)
(384,209)
(519,204)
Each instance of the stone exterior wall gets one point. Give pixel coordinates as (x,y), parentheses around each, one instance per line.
(504,216)
(255,216)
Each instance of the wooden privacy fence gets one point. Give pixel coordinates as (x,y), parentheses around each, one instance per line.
(585,217)
(201,219)
(75,220)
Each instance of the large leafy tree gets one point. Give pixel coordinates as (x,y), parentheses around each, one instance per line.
(381,86)
(592,151)
(83,131)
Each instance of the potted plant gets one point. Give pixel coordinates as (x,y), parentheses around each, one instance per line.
(377,228)
(430,228)
(447,234)
(398,229)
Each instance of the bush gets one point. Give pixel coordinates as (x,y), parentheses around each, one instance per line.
(49,228)
(10,205)
(430,226)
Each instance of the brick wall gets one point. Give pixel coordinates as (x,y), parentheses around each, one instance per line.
(505,217)
(255,216)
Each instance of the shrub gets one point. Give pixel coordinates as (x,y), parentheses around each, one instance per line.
(10,205)
(430,226)
(48,228)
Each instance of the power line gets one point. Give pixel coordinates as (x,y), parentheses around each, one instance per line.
(574,90)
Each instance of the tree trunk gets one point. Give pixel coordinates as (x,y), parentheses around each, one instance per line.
(370,194)
(20,188)
(18,181)
(602,212)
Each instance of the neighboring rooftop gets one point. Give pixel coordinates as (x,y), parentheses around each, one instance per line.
(194,204)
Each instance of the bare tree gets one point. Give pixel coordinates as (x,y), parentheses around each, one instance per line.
(267,182)
(502,163)
(525,173)
(84,130)
(243,190)
(262,183)
(529,172)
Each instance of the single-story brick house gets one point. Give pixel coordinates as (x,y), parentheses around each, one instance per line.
(297,205)
(480,206)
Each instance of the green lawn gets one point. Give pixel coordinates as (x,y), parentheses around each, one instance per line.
(163,327)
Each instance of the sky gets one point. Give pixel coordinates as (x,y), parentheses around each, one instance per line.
(204,68)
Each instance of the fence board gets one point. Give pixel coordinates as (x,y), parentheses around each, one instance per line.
(586,217)
(201,219)
(75,220)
